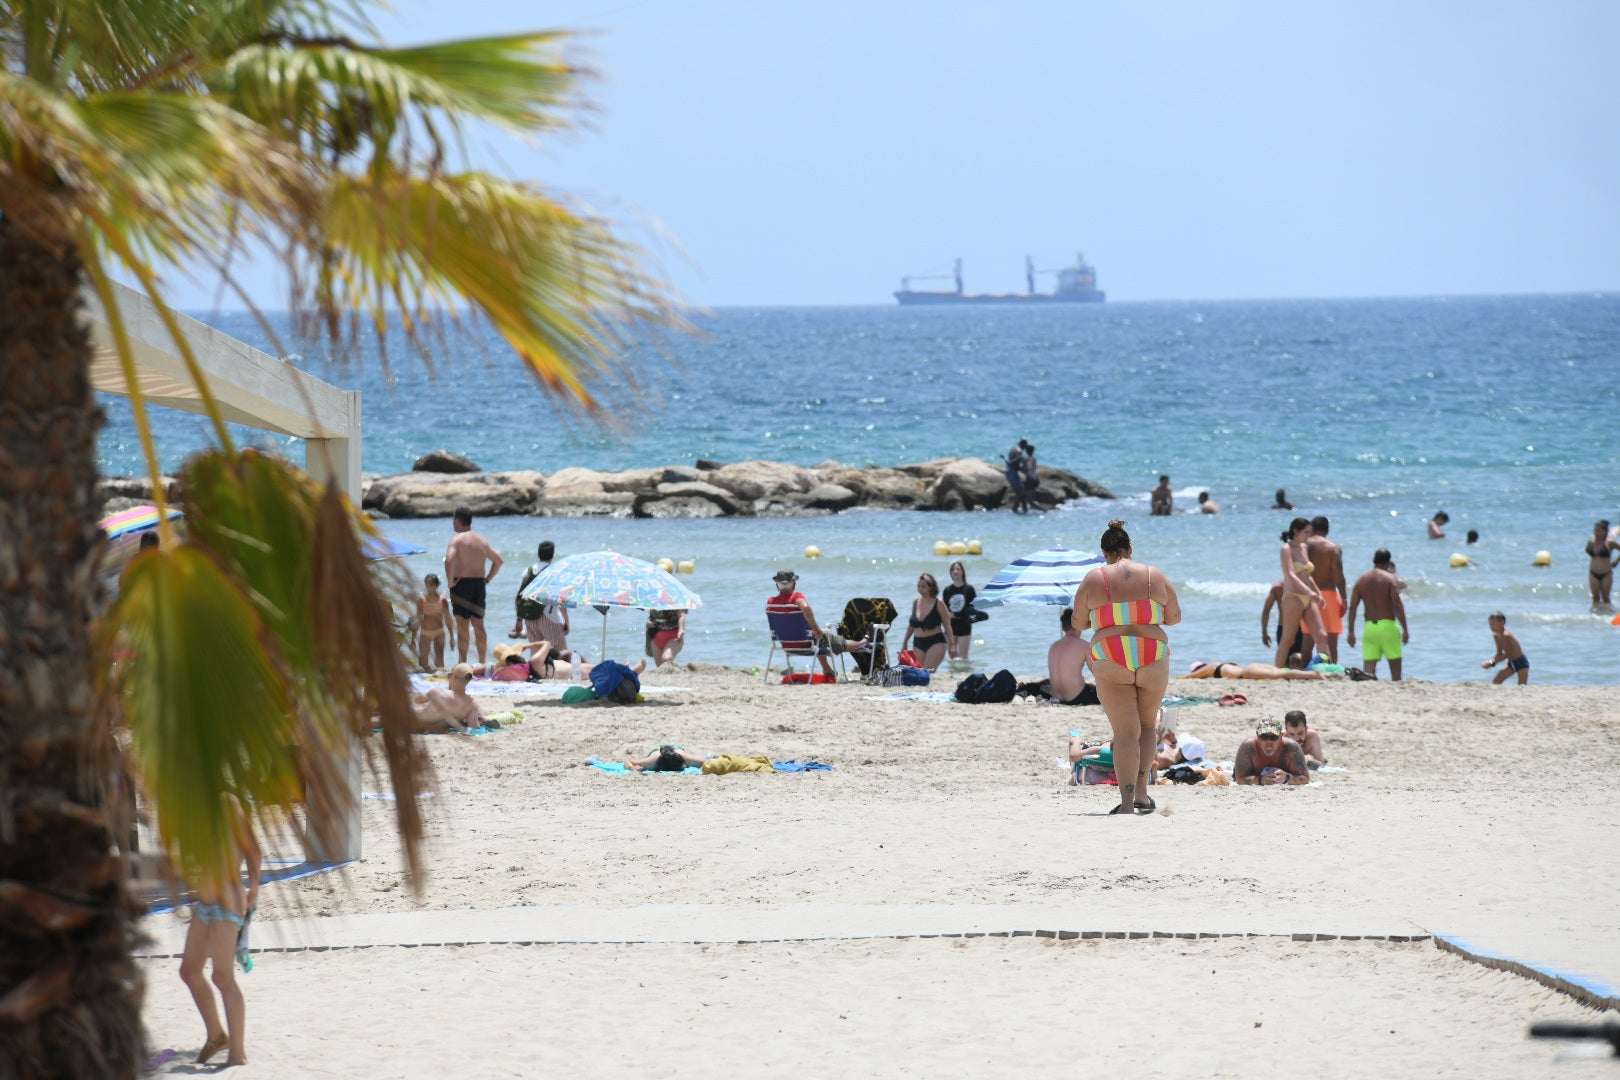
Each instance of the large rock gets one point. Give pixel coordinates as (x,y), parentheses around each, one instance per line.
(874,487)
(133,490)
(968,484)
(756,480)
(419,495)
(443,461)
(635,481)
(723,500)
(831,497)
(611,504)
(679,507)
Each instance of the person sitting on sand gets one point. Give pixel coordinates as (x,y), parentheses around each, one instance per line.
(1509,649)
(449,710)
(667,759)
(1066,664)
(1206,670)
(787,594)
(1268,759)
(1309,739)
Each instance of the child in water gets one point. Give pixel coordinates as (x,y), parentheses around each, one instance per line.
(1509,649)
(431,611)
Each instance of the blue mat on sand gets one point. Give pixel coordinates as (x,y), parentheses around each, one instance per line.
(619,768)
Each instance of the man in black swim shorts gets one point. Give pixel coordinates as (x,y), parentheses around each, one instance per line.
(464,562)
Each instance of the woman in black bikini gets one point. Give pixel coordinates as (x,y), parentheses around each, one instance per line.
(1600,571)
(931,624)
(959,597)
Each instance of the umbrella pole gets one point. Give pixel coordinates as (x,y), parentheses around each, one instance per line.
(603,654)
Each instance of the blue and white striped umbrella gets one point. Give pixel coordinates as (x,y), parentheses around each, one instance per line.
(1046,578)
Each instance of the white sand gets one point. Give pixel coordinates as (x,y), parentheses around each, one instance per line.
(1448,822)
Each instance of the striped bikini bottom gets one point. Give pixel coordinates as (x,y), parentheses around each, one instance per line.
(1130,652)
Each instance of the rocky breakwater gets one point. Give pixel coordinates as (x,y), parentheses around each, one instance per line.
(709,489)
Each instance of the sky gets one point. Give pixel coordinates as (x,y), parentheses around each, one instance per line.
(813,153)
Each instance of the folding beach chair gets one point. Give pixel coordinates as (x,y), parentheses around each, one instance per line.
(790,632)
(869,617)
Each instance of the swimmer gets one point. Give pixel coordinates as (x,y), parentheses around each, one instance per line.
(1600,550)
(1436,525)
(1207,505)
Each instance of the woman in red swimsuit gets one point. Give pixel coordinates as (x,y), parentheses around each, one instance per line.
(1129,604)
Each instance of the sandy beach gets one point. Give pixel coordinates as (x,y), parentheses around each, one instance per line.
(1476,813)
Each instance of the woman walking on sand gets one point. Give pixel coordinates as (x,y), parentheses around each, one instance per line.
(1128,604)
(1302,600)
(1600,571)
(959,597)
(217,915)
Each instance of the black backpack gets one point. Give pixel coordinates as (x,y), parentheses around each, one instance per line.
(998,689)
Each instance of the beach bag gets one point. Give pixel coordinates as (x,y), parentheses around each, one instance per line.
(909,658)
(913,676)
(998,689)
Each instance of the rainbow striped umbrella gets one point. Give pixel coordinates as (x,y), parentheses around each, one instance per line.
(606,579)
(134,521)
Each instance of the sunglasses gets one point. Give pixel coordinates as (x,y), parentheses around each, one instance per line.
(1270,738)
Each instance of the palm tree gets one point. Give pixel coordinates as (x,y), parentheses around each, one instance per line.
(139,138)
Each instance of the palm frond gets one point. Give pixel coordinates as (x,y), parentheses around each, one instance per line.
(206,704)
(335,96)
(564,292)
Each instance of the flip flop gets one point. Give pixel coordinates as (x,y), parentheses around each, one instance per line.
(1233,699)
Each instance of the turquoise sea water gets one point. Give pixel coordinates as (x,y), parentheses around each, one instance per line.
(1374,412)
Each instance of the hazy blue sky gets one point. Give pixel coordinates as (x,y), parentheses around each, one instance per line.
(812,153)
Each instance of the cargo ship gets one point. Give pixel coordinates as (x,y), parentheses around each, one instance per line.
(1076,284)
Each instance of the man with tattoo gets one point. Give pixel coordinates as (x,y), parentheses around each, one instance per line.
(1267,759)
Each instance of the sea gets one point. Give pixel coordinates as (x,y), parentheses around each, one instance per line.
(1376,413)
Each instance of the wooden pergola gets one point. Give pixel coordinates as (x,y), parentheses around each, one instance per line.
(250,387)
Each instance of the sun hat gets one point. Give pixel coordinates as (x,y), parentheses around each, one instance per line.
(1192,748)
(503,653)
(786,575)
(1268,725)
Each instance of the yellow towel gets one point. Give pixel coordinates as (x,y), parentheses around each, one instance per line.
(730,763)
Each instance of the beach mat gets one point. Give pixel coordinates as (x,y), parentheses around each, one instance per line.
(491,688)
(619,768)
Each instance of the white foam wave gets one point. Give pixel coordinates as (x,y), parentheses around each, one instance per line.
(1225,590)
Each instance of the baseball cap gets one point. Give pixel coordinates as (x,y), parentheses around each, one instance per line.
(1192,748)
(1268,725)
(786,575)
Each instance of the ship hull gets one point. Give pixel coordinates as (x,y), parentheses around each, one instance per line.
(1095,296)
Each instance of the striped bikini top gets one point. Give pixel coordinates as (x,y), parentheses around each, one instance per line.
(1131,613)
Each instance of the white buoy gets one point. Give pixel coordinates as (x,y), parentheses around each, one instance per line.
(812,552)
(975,548)
(686,566)
(1459,559)
(959,548)
(667,565)
(942,547)
(1543,558)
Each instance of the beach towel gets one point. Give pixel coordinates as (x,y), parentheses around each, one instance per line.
(801,766)
(735,763)
(420,684)
(914,695)
(619,768)
(801,677)
(578,695)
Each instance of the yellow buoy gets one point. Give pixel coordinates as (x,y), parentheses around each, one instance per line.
(812,552)
(1459,559)
(959,548)
(941,547)
(686,566)
(975,548)
(1543,558)
(667,565)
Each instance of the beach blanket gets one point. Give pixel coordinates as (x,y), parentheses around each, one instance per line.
(618,768)
(914,695)
(736,763)
(490,688)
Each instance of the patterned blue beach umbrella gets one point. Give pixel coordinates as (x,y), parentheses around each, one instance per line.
(604,579)
(377,548)
(1046,578)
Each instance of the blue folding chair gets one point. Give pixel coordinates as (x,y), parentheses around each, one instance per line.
(790,632)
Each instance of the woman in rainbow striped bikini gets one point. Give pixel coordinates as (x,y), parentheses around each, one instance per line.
(1129,603)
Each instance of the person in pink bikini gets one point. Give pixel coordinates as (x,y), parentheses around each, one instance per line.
(1128,604)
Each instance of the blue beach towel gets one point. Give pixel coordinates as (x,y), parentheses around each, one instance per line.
(801,766)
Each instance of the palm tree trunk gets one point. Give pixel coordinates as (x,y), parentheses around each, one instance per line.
(69,988)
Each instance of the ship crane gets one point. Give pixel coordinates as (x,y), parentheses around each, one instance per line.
(905,282)
(1030,272)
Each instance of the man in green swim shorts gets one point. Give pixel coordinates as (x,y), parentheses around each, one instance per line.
(1386,631)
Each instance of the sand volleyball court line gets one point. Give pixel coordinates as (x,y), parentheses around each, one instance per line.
(719,924)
